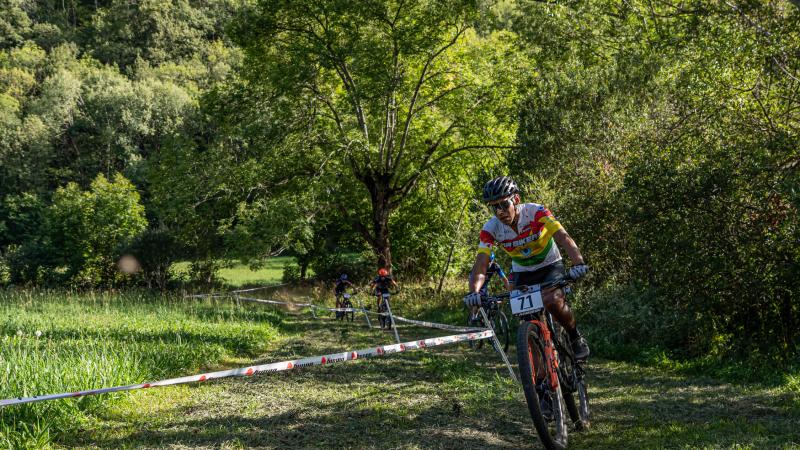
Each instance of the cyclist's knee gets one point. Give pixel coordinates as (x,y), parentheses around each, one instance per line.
(553,298)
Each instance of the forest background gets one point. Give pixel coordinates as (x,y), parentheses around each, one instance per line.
(663,134)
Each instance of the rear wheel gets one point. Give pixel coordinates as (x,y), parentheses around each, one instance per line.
(476,322)
(573,382)
(552,428)
(502,329)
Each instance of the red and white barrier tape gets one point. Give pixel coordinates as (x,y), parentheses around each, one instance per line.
(441,326)
(273,367)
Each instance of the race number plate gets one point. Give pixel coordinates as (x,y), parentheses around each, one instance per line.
(385,295)
(526,302)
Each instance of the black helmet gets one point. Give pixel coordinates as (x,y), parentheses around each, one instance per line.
(500,187)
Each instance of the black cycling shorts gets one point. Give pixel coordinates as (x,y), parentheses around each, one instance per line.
(546,274)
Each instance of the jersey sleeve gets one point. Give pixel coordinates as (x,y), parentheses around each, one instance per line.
(548,220)
(486,242)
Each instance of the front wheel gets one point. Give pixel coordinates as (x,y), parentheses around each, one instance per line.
(545,403)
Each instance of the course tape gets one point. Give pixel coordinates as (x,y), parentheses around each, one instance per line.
(300,305)
(259,288)
(276,302)
(441,326)
(273,367)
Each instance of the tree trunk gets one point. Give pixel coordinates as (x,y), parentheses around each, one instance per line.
(380,227)
(381,196)
(452,248)
(303,269)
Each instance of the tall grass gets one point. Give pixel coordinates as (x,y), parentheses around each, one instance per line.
(62,342)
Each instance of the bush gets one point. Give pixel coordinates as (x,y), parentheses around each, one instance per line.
(631,322)
(81,234)
(358,267)
(156,250)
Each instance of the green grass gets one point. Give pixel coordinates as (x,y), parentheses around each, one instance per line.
(52,343)
(238,275)
(448,397)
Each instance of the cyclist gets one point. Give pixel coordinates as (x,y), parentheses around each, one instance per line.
(494,268)
(528,232)
(341,287)
(382,283)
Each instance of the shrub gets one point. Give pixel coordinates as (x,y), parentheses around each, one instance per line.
(81,234)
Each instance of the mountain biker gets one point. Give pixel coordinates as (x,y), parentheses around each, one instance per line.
(528,232)
(494,268)
(341,287)
(382,283)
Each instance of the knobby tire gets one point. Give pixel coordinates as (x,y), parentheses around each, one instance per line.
(531,359)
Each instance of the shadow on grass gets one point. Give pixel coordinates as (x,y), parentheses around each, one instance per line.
(356,423)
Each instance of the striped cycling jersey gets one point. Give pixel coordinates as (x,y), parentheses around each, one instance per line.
(530,249)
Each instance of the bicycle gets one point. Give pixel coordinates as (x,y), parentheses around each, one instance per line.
(551,375)
(497,321)
(384,318)
(342,303)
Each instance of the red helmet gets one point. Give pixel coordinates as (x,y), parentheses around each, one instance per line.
(383,272)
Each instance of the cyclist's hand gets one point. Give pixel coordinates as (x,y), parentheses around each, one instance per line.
(578,271)
(472,299)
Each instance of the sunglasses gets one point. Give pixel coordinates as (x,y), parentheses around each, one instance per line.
(501,205)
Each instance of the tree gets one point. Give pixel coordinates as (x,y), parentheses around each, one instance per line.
(673,129)
(378,94)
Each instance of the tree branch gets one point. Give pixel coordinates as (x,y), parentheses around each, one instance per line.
(418,86)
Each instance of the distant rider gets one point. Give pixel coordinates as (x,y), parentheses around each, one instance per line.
(528,232)
(340,289)
(382,283)
(493,269)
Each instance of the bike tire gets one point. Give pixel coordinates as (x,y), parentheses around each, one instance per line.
(531,360)
(573,382)
(475,345)
(502,329)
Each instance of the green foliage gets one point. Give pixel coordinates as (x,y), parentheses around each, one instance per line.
(155,250)
(668,139)
(81,234)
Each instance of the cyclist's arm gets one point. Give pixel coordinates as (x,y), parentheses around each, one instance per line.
(478,276)
(564,241)
(503,277)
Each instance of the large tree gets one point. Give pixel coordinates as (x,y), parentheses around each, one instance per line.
(373,96)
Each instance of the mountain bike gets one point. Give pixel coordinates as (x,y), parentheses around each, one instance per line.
(497,321)
(342,303)
(384,318)
(552,377)
(346,303)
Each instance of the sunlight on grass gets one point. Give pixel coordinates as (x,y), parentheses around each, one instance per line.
(53,343)
(240,275)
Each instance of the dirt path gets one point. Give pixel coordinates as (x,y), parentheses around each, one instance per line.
(450,397)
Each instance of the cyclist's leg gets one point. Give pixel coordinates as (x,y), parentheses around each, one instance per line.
(556,303)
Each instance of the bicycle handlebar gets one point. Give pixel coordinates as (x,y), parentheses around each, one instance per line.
(556,283)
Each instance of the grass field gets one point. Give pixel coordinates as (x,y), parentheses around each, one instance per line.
(240,275)
(65,342)
(450,397)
